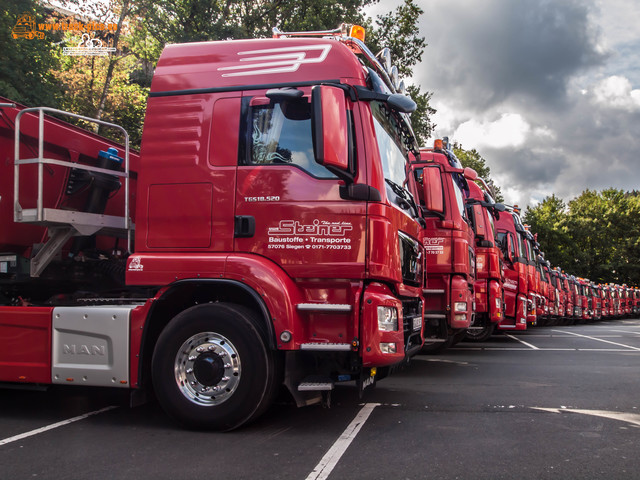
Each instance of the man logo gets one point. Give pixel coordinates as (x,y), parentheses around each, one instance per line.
(84,350)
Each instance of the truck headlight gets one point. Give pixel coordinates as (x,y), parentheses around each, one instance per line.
(387,319)
(388,348)
(460,307)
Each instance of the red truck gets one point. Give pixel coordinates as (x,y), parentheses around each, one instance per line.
(557,310)
(440,183)
(547,294)
(607,301)
(483,210)
(533,277)
(570,299)
(271,240)
(511,236)
(584,292)
(596,300)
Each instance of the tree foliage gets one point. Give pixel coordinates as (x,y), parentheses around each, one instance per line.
(27,65)
(115,88)
(596,235)
(177,21)
(398,31)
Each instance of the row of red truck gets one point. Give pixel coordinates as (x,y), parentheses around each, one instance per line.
(279,231)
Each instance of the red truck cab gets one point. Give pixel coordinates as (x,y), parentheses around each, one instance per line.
(483,211)
(533,277)
(570,299)
(516,281)
(439,182)
(274,242)
(546,293)
(596,298)
(586,299)
(558,311)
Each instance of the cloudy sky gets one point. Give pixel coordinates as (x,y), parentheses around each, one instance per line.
(547,91)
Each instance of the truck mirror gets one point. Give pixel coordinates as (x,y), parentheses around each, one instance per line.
(432,189)
(470,174)
(329,127)
(401,103)
(510,250)
(499,207)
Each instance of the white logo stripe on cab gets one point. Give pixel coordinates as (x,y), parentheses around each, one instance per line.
(278,60)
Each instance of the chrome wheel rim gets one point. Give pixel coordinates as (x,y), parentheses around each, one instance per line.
(207,369)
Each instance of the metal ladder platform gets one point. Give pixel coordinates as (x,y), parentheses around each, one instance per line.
(64,224)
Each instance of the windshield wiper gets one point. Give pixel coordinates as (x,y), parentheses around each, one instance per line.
(404,198)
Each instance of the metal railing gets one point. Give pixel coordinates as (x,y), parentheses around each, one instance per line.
(38,215)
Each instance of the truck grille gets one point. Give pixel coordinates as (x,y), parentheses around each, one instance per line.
(411,311)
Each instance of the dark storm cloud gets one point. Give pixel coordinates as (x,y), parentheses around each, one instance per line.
(530,85)
(502,48)
(593,146)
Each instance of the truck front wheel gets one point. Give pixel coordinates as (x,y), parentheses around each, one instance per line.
(212,369)
(480,333)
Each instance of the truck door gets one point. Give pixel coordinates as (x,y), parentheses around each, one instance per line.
(288,207)
(508,243)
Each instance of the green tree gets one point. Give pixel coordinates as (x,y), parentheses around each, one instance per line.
(177,21)
(26,65)
(548,220)
(596,235)
(605,228)
(398,31)
(102,87)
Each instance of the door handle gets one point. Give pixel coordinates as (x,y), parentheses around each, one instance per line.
(244,227)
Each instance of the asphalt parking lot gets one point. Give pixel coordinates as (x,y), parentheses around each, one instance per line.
(552,402)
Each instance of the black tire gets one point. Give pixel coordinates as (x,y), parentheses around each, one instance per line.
(212,369)
(480,335)
(436,347)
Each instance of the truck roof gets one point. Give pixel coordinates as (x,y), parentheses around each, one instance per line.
(204,67)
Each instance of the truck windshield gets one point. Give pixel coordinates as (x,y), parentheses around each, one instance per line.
(459,197)
(531,254)
(389,139)
(492,227)
(522,251)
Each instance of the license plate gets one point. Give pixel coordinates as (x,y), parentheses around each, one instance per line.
(417,323)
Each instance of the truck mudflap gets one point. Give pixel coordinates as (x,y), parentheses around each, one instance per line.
(90,346)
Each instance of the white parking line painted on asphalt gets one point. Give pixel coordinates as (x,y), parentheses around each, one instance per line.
(15,438)
(600,340)
(626,331)
(532,347)
(631,418)
(331,458)
(517,349)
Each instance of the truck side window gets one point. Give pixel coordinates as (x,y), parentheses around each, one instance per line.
(502,240)
(280,133)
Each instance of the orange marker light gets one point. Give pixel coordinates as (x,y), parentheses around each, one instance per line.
(437,144)
(357,32)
